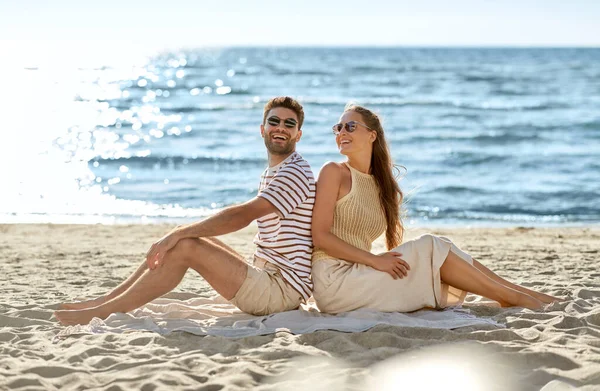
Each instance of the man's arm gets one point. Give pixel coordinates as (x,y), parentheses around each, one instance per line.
(228,220)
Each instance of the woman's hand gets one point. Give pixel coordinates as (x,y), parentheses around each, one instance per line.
(391,263)
(155,256)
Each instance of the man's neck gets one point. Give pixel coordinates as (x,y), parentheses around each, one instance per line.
(276,159)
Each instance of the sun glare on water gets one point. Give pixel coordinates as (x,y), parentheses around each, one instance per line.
(53,100)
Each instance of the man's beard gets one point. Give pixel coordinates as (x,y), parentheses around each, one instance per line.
(278,149)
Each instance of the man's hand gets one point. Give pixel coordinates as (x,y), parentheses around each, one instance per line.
(390,262)
(155,256)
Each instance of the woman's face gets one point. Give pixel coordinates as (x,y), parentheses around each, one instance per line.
(360,140)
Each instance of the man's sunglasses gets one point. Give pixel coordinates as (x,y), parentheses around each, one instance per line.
(288,122)
(350,127)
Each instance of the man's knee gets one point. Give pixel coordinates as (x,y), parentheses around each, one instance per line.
(189,246)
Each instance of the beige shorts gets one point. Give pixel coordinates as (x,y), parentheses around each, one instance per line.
(264,291)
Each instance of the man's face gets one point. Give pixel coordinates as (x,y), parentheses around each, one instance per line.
(280,131)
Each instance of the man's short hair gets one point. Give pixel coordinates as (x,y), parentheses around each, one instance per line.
(288,103)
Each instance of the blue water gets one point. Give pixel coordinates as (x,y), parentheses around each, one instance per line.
(486,135)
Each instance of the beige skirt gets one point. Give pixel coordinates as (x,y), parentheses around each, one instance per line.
(341,286)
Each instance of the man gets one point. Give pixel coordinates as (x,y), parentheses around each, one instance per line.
(279,278)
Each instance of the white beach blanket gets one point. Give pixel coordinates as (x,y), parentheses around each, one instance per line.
(216,316)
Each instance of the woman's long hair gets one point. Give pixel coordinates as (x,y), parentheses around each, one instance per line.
(390,194)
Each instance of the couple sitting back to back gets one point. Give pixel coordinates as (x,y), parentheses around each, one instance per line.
(352,203)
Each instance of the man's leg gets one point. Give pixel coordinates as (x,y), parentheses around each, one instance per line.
(129,281)
(223,270)
(547,299)
(122,287)
(460,274)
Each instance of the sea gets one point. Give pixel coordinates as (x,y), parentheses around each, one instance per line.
(483,136)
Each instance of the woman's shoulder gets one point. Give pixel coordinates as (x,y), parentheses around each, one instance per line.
(332,169)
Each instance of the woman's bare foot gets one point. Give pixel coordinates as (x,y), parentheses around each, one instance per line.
(73,317)
(81,305)
(546,299)
(523,300)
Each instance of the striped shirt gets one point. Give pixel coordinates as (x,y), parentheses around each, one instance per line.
(284,238)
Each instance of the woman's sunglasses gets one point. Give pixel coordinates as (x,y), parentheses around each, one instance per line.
(288,122)
(350,127)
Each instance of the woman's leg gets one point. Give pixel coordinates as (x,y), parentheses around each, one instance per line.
(129,282)
(460,274)
(224,271)
(547,299)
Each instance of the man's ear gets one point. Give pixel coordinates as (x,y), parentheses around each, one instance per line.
(262,130)
(299,135)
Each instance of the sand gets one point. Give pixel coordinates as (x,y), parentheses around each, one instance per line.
(42,265)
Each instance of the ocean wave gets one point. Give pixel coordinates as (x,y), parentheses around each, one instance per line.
(400,102)
(593,166)
(385,101)
(459,159)
(209,107)
(485,78)
(576,213)
(573,196)
(141,91)
(391,83)
(571,166)
(402,67)
(503,209)
(455,190)
(153,161)
(506,92)
(500,138)
(496,78)
(250,71)
(502,213)
(592,125)
(461,115)
(528,127)
(298,72)
(194,66)
(376,68)
(505,138)
(506,106)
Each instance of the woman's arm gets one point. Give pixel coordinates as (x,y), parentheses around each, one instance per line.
(328,186)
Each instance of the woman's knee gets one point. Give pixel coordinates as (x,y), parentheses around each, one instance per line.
(426,240)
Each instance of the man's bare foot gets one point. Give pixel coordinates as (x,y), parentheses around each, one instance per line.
(530,302)
(73,317)
(81,305)
(504,304)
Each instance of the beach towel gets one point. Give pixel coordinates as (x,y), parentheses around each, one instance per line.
(218,317)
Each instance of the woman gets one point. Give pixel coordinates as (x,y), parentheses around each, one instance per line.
(360,199)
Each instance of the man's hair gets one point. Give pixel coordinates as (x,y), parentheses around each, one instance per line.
(288,103)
